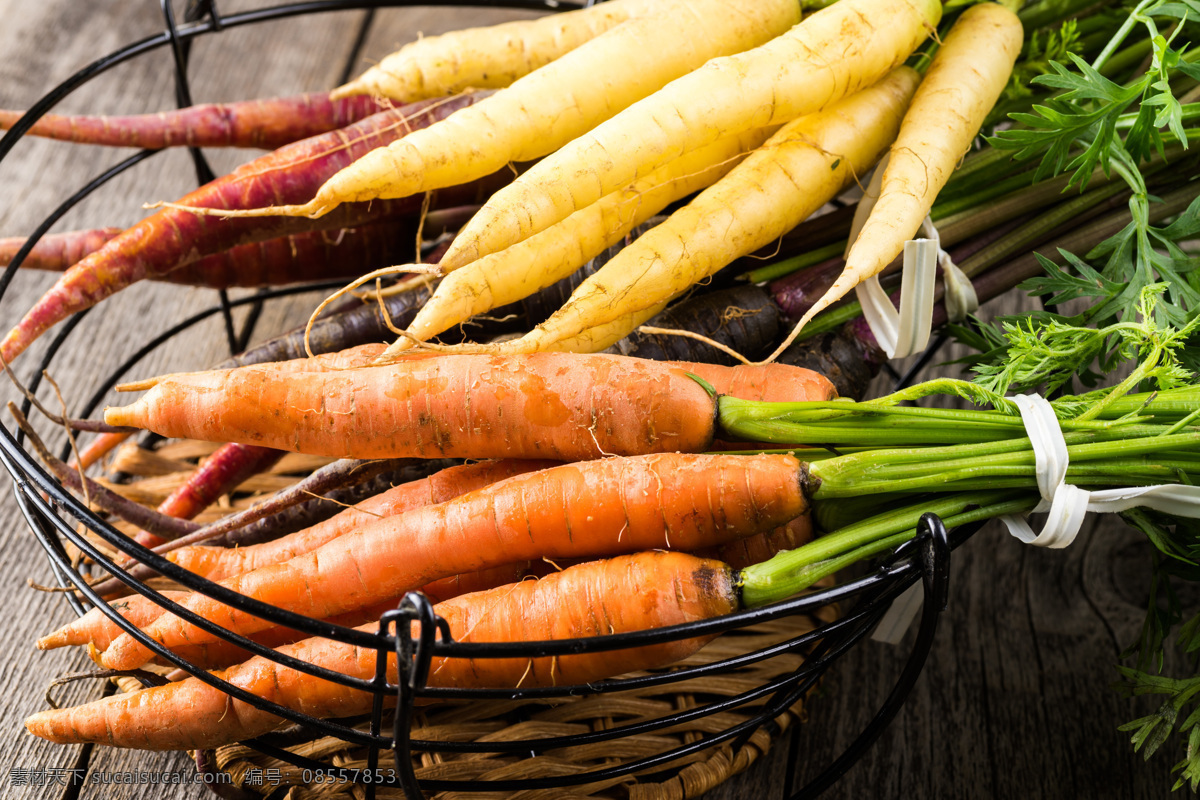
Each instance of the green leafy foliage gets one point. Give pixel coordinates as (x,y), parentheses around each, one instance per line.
(1046,351)
(1163,615)
(1092,123)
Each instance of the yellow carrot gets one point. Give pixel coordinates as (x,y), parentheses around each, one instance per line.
(964,80)
(488,57)
(779,185)
(553,105)
(833,53)
(541,260)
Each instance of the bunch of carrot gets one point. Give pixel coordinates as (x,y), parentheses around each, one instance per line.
(767,116)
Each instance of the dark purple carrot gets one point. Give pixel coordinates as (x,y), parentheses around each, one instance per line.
(797,292)
(175,237)
(341,473)
(317,509)
(743,318)
(266,124)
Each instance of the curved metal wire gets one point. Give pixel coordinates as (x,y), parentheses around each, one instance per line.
(44,503)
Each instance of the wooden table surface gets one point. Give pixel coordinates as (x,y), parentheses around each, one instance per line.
(1013,703)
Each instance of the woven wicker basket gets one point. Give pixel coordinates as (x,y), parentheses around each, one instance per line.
(506,720)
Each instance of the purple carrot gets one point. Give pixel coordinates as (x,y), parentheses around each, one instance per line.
(299,258)
(266,124)
(743,318)
(796,293)
(340,473)
(224,471)
(175,237)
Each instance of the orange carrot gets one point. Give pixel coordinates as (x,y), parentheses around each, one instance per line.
(760,547)
(216,563)
(266,124)
(98,448)
(97,629)
(773,383)
(587,509)
(590,599)
(544,405)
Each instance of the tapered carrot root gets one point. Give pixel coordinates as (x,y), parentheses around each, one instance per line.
(96,628)
(831,54)
(490,57)
(174,237)
(669,500)
(545,405)
(553,105)
(774,189)
(217,563)
(964,80)
(266,124)
(590,599)
(222,473)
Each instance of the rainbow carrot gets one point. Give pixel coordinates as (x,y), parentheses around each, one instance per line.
(174,237)
(267,124)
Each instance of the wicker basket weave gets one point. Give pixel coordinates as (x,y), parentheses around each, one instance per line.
(524,719)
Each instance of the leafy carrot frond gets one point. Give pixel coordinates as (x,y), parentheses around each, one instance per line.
(1054,130)
(1049,350)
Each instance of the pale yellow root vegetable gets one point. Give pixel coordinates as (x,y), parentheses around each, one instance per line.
(602,337)
(798,170)
(547,257)
(488,57)
(551,106)
(964,81)
(833,53)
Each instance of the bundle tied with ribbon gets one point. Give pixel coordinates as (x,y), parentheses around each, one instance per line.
(1065,505)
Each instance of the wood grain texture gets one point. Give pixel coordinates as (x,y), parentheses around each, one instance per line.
(1014,702)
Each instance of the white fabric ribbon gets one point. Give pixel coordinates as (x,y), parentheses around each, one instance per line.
(906,331)
(958,292)
(1066,505)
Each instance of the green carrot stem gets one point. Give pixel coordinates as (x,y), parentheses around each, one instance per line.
(1120,35)
(796,263)
(864,473)
(791,571)
(807,576)
(1047,12)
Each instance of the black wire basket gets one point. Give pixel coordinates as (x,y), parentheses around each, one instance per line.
(413,632)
